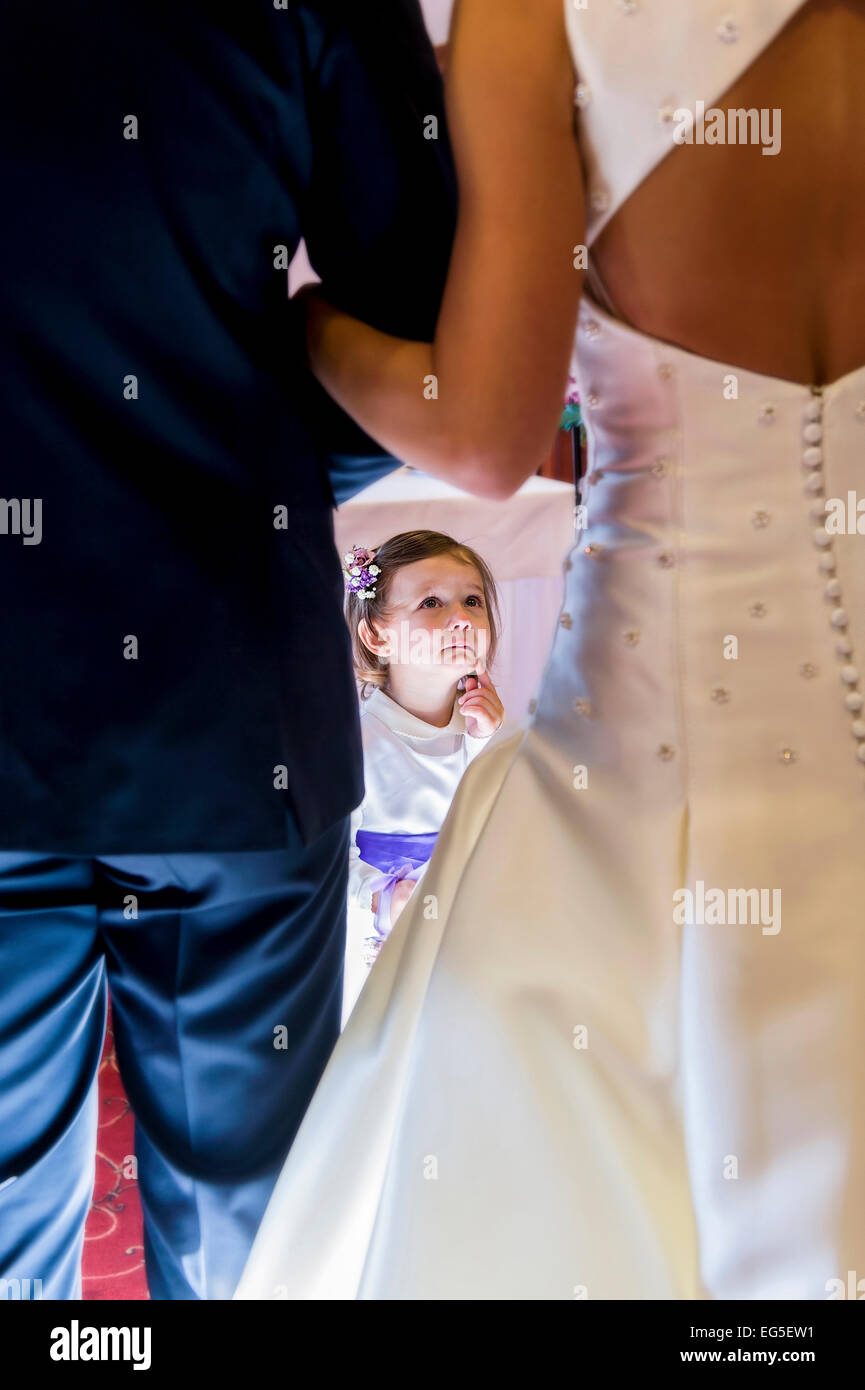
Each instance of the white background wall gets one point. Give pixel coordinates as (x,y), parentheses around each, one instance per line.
(437,14)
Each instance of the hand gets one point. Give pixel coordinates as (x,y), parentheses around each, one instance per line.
(401,894)
(403,889)
(480,704)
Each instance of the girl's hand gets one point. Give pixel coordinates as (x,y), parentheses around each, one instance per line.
(401,894)
(483,710)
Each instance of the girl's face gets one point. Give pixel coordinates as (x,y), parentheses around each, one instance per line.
(437,616)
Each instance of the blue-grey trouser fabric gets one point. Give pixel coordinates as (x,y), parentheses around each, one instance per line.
(225,973)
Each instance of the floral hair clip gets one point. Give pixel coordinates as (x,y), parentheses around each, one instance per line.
(360,574)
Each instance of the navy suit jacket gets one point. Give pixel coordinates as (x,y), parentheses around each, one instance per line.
(165,648)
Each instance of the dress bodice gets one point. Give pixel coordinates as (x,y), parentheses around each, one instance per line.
(638,62)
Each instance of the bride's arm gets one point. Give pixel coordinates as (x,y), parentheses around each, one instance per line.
(503,340)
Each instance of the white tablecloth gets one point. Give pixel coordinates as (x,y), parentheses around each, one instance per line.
(523,540)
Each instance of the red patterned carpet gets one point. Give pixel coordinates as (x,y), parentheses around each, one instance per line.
(113,1249)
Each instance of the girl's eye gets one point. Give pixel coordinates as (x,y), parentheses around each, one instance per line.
(473,599)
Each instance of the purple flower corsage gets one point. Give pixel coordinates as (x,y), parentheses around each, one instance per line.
(360,573)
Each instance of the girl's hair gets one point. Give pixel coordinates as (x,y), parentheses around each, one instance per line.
(390,556)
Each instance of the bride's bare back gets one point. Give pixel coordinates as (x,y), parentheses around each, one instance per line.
(758,260)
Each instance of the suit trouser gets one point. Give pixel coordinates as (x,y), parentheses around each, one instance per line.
(225,973)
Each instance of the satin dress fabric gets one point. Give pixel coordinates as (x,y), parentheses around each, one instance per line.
(553,1086)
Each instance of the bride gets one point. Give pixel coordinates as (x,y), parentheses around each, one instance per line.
(588,1063)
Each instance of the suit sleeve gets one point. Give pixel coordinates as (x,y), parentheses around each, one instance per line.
(379,212)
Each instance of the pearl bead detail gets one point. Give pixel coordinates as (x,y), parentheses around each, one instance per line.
(812,459)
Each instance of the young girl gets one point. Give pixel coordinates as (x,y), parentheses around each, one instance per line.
(422,612)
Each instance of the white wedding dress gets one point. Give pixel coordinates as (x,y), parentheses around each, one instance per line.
(556,1088)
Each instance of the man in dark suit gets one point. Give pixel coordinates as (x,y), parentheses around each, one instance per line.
(179,739)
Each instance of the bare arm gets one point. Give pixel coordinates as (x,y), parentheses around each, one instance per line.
(506,326)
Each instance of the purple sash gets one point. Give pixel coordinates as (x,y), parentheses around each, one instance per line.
(397,857)
(383,850)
